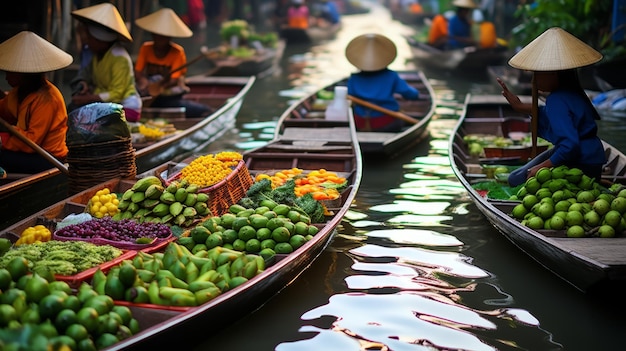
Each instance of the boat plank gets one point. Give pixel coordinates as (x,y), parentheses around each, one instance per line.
(327,134)
(609,251)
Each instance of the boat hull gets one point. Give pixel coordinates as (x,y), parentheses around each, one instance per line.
(34,192)
(585,263)
(466,59)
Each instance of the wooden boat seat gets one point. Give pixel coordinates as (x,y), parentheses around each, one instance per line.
(374,137)
(324,134)
(163,112)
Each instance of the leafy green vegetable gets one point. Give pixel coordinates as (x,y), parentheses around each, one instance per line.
(497,190)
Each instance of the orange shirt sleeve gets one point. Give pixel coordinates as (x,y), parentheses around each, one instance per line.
(438,29)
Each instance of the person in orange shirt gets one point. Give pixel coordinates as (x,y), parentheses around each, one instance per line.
(438,34)
(34,106)
(298,15)
(486,31)
(157,58)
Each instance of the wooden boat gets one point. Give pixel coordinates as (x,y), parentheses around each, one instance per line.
(21,195)
(469,58)
(311,35)
(259,65)
(306,144)
(586,263)
(376,143)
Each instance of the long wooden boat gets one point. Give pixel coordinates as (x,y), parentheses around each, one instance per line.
(309,145)
(311,35)
(469,58)
(588,263)
(21,195)
(375,144)
(259,65)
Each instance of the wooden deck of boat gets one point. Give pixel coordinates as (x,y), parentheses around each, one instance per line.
(330,134)
(609,251)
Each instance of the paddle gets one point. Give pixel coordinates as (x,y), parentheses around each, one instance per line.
(395,114)
(155,88)
(534,121)
(34,146)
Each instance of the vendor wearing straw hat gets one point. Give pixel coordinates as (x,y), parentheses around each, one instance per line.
(568,118)
(459,26)
(109,77)
(157,59)
(34,106)
(375,83)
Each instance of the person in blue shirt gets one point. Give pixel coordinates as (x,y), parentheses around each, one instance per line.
(330,12)
(568,118)
(459,26)
(375,83)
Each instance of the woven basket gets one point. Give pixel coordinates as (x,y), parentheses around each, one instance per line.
(228,191)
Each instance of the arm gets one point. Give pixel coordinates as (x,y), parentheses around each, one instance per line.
(513,99)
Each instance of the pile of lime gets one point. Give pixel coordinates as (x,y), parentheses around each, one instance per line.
(562,198)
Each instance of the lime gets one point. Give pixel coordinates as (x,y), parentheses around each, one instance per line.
(239,245)
(5,245)
(578,207)
(133,325)
(313,229)
(106,340)
(263,234)
(532,185)
(268,244)
(31,315)
(592,218)
(253,245)
(64,319)
(60,285)
(11,294)
(283,248)
(296,241)
(88,317)
(601,206)
(575,231)
(562,205)
(267,254)
(574,218)
(535,223)
(557,223)
(529,201)
(7,314)
(60,341)
(246,233)
(229,236)
(543,175)
(281,235)
(124,312)
(5,279)
(606,231)
(18,267)
(619,204)
(50,306)
(101,303)
(291,227)
(36,288)
(545,210)
(613,218)
(86,345)
(215,239)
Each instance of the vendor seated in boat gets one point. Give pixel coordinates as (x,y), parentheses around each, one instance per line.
(438,32)
(298,15)
(109,75)
(375,83)
(157,60)
(34,108)
(460,26)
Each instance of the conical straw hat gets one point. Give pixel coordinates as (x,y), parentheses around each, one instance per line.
(105,14)
(26,52)
(468,4)
(371,52)
(164,22)
(555,50)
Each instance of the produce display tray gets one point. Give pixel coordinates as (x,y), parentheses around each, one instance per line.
(75,280)
(120,245)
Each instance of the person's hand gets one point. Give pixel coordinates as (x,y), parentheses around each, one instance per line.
(512,99)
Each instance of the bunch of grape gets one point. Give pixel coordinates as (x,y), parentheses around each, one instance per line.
(125,230)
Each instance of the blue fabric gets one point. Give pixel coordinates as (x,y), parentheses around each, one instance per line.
(379,88)
(331,13)
(458,27)
(567,121)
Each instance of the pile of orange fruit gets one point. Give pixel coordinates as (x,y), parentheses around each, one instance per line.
(322,184)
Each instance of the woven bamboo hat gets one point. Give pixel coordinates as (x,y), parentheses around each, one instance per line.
(164,22)
(26,52)
(555,50)
(371,52)
(107,15)
(467,4)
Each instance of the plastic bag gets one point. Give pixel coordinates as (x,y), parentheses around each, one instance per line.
(97,122)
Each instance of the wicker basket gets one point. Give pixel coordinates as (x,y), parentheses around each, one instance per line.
(228,191)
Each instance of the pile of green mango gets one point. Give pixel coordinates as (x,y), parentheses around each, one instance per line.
(149,200)
(177,277)
(266,230)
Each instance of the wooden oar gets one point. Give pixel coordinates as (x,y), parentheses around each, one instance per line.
(395,114)
(534,115)
(34,146)
(155,88)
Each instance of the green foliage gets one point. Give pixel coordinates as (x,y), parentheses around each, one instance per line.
(313,208)
(588,20)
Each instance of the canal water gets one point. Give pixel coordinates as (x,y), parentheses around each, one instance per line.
(414,265)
